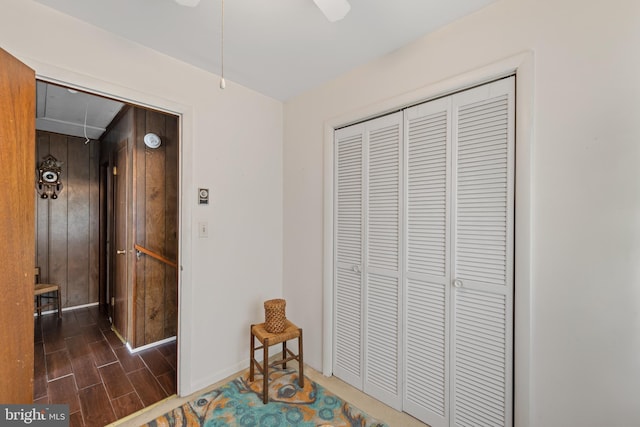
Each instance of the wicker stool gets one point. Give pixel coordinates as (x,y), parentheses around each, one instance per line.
(267,339)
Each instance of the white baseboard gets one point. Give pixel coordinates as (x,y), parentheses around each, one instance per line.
(75,307)
(148,346)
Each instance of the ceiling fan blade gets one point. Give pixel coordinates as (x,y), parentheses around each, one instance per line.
(334,10)
(190,3)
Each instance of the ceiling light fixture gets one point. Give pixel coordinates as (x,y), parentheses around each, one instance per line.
(334,10)
(152,140)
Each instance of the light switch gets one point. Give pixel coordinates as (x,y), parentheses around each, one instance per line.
(203,229)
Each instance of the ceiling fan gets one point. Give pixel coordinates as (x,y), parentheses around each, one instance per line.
(334,10)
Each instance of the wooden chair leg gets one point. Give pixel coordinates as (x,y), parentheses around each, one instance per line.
(252,354)
(59,304)
(265,372)
(39,305)
(284,354)
(300,362)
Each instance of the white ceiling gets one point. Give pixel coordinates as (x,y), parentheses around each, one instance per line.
(69,112)
(280,48)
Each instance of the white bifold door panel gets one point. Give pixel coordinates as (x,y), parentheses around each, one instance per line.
(482,256)
(423,276)
(367,277)
(427,266)
(348,255)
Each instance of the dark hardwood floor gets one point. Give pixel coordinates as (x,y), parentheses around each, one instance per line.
(81,362)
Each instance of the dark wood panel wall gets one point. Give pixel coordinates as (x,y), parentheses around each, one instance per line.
(67,228)
(120,293)
(156,227)
(153,309)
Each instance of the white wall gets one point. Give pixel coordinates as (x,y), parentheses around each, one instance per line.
(227,276)
(581,349)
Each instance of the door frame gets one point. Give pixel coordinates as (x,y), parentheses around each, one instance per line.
(522,65)
(53,74)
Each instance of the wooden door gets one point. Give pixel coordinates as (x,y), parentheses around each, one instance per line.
(17,228)
(120,248)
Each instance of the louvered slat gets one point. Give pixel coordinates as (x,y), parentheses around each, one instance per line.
(480,354)
(349,200)
(382,333)
(383,197)
(348,282)
(482,161)
(382,364)
(426,194)
(425,346)
(348,321)
(426,326)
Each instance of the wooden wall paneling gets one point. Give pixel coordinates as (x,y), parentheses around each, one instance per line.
(42,209)
(139,224)
(121,292)
(102,231)
(58,235)
(171,224)
(154,217)
(131,238)
(110,232)
(120,129)
(64,226)
(115,151)
(77,168)
(94,221)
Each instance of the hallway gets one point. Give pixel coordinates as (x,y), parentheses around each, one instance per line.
(81,362)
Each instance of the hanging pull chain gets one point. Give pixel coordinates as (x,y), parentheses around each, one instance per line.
(223,84)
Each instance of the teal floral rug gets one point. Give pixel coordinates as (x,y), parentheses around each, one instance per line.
(239,403)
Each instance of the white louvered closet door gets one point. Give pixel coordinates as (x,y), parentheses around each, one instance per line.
(427,278)
(367,263)
(348,252)
(483,239)
(382,372)
(424,213)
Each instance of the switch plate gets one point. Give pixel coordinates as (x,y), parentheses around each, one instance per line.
(203,229)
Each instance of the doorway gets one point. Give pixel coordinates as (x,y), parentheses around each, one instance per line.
(120,303)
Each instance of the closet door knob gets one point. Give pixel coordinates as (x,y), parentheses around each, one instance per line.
(457,283)
(356,268)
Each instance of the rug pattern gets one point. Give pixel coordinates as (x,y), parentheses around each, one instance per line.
(239,403)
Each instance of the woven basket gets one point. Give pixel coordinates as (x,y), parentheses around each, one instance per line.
(274,315)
